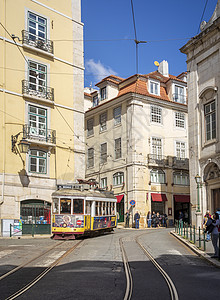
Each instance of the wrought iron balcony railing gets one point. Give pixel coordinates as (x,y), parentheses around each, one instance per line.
(179,98)
(36,41)
(157,159)
(180,163)
(39,134)
(35,90)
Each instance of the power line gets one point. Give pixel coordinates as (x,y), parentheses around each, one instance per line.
(202,15)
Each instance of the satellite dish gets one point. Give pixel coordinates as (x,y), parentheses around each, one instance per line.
(202,25)
(156,63)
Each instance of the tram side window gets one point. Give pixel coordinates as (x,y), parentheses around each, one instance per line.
(65,206)
(78,206)
(88,207)
(55,206)
(97,208)
(112,208)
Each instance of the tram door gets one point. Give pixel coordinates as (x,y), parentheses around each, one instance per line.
(36,217)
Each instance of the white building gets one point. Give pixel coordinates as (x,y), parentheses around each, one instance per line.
(203,61)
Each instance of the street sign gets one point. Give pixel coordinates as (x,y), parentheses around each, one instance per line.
(78,222)
(132,203)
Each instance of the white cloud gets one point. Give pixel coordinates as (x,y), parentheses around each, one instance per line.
(98,70)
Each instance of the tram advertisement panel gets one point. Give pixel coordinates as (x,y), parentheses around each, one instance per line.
(103,222)
(68,221)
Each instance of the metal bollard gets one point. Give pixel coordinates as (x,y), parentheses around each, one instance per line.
(184,229)
(181,228)
(204,241)
(199,237)
(187,228)
(191,233)
(194,234)
(10,230)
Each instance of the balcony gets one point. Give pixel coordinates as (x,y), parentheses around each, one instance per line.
(180,163)
(31,40)
(39,135)
(179,98)
(157,160)
(37,91)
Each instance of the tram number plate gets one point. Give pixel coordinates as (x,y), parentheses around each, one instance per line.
(78,222)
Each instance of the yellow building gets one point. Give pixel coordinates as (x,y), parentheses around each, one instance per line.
(136,134)
(41,107)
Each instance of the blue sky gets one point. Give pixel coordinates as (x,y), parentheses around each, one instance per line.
(108,28)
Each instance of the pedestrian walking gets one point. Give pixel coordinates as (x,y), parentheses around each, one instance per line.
(149,219)
(215,234)
(206,222)
(154,220)
(118,216)
(127,219)
(136,219)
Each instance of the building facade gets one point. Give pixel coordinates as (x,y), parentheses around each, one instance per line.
(41,106)
(203,62)
(136,142)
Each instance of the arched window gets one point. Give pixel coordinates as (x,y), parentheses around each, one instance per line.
(118,178)
(181,178)
(157,176)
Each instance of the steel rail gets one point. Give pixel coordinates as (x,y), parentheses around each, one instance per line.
(42,274)
(129,286)
(29,261)
(171,286)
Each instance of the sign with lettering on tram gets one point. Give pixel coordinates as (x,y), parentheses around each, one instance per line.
(78,222)
(132,202)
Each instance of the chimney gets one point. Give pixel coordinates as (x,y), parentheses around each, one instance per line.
(164,68)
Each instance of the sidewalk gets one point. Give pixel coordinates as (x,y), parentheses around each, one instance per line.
(205,254)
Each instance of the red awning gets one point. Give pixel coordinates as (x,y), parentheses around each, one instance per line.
(182,198)
(158,197)
(119,198)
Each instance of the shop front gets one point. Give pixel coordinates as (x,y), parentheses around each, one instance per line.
(35,217)
(120,207)
(158,203)
(182,207)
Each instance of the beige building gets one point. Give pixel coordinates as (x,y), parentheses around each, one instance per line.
(203,61)
(136,142)
(41,107)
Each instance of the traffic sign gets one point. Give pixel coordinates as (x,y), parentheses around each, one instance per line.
(132,203)
(78,222)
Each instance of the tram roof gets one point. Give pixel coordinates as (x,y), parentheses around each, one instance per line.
(85,193)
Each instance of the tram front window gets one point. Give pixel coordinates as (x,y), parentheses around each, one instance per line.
(78,206)
(65,206)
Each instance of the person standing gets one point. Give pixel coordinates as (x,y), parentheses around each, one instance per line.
(136,219)
(206,222)
(149,219)
(127,219)
(215,234)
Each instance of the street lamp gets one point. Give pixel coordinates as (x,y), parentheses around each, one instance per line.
(23,145)
(198,182)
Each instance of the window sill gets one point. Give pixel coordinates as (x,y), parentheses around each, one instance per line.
(102,131)
(211,142)
(41,99)
(117,125)
(90,136)
(35,49)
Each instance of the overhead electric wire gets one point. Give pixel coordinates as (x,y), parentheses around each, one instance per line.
(202,15)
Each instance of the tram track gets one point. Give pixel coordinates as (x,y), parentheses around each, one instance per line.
(129,280)
(64,253)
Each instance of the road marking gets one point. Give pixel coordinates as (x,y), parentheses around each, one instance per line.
(49,260)
(6,252)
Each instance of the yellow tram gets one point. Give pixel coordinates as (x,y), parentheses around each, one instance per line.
(82,212)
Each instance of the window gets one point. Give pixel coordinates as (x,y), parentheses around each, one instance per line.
(37,27)
(37,161)
(77,206)
(103,151)
(156,148)
(154,87)
(37,121)
(65,206)
(90,157)
(103,122)
(180,150)
(90,130)
(118,148)
(157,176)
(37,78)
(117,115)
(156,114)
(104,182)
(103,93)
(181,178)
(179,120)
(95,100)
(118,178)
(210,120)
(179,95)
